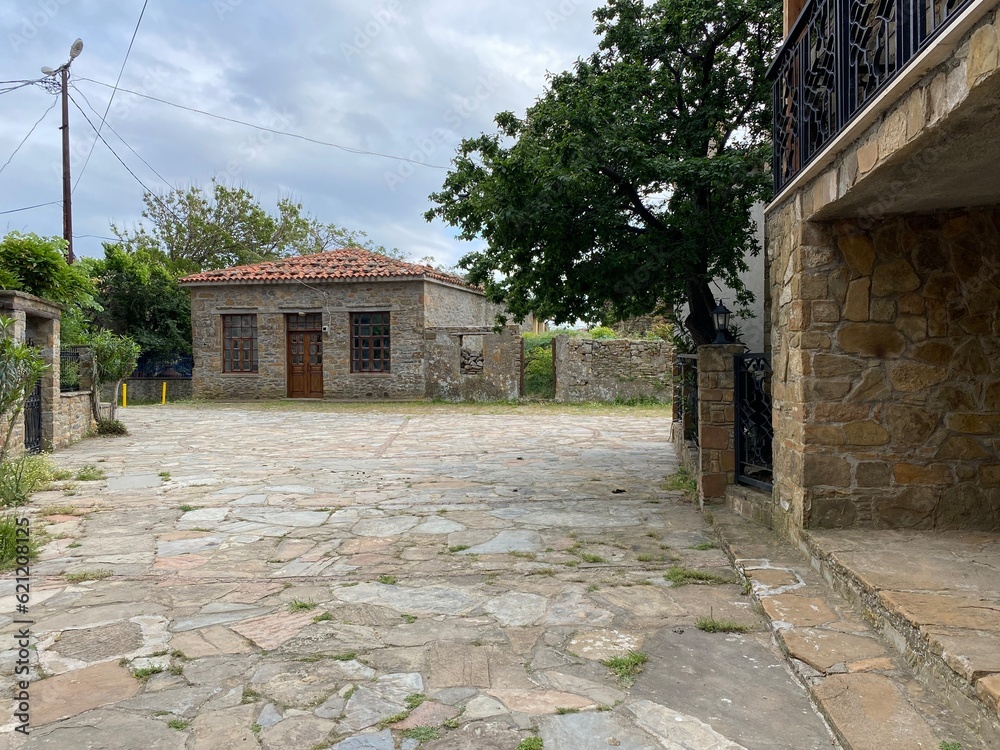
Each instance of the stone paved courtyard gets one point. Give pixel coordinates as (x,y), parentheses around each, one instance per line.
(364,579)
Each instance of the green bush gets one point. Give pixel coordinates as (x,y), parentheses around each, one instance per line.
(69,374)
(111,427)
(9,541)
(21,476)
(601,332)
(539,373)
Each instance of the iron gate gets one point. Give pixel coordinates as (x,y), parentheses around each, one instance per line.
(754,431)
(33,421)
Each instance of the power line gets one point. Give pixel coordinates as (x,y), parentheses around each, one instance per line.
(54,102)
(151,168)
(113,92)
(299,136)
(29,208)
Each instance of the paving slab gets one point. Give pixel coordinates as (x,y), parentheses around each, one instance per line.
(319,589)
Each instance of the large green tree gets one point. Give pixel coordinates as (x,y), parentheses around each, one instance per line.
(140,298)
(36,265)
(628,185)
(192,230)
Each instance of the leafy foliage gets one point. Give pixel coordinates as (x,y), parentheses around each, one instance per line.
(140,298)
(114,359)
(627,186)
(10,541)
(20,477)
(20,368)
(190,230)
(36,265)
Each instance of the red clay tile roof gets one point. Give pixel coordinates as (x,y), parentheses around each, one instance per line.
(332,265)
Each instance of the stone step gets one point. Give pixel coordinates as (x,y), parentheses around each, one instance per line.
(871,697)
(917,591)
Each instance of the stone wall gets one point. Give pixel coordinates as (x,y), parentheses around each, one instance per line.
(150,390)
(716,421)
(74,418)
(500,377)
(272,302)
(610,369)
(887,370)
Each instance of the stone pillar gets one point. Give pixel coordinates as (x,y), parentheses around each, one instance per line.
(716,421)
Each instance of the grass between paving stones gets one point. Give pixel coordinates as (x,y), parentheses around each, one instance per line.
(57,510)
(531,743)
(250,696)
(562,710)
(704,546)
(144,673)
(711,625)
(409,619)
(165,476)
(89,473)
(682,481)
(301,605)
(87,575)
(414,701)
(421,734)
(179,724)
(626,668)
(325,617)
(681,576)
(388,580)
(186,508)
(950,746)
(458,548)
(388,721)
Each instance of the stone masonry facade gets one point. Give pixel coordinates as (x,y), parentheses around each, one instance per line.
(887,374)
(884,323)
(420,311)
(610,369)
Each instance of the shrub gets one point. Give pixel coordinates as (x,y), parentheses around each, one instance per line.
(111,427)
(21,476)
(601,332)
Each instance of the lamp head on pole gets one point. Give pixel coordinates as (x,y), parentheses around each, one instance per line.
(76,49)
(721,316)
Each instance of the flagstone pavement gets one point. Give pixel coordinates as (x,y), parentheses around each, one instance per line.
(370,580)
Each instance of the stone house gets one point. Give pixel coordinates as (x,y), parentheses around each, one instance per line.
(347,324)
(883,250)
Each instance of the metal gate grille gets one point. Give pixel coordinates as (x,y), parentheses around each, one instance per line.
(33,421)
(754,431)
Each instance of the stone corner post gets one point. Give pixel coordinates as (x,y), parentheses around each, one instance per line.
(716,421)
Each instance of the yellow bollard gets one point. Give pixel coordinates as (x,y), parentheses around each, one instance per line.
(163,399)
(124,395)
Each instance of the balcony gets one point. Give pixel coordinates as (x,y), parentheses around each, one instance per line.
(839,56)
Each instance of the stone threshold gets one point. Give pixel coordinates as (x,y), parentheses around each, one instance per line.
(934,596)
(875,695)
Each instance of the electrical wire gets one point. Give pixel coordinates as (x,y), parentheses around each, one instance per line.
(114,91)
(299,136)
(92,109)
(54,102)
(29,208)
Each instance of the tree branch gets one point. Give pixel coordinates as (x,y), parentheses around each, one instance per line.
(634,198)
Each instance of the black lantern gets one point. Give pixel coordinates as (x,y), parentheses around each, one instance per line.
(721,317)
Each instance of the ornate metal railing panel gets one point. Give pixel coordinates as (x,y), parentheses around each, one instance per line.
(754,431)
(839,55)
(687,388)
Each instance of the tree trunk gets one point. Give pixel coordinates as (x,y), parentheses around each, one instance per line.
(113,411)
(701,302)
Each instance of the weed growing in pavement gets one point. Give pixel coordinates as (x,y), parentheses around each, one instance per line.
(458,548)
(179,724)
(299,605)
(421,734)
(144,673)
(680,576)
(414,700)
(388,580)
(11,537)
(531,743)
(705,546)
(87,575)
(186,508)
(89,473)
(682,481)
(325,617)
(409,619)
(711,625)
(626,668)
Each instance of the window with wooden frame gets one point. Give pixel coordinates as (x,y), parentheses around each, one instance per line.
(239,343)
(370,342)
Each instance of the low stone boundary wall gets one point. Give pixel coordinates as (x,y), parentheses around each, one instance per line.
(612,369)
(74,418)
(149,390)
(473,364)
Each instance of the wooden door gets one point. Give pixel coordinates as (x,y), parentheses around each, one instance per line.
(305,355)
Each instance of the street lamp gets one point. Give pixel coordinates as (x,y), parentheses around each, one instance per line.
(721,315)
(63,71)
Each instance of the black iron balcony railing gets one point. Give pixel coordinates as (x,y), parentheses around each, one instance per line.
(839,55)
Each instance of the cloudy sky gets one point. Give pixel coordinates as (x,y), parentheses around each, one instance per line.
(407,78)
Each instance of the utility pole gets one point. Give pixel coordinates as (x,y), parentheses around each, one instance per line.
(63,71)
